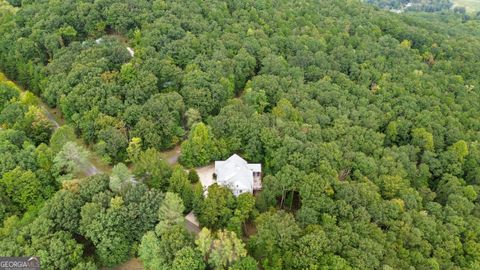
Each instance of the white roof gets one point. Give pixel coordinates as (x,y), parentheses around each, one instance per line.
(236,173)
(255,167)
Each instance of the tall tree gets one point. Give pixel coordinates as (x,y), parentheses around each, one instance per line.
(152,169)
(180,184)
(120,178)
(200,147)
(70,161)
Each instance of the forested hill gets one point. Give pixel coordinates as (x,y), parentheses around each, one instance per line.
(367,124)
(412,5)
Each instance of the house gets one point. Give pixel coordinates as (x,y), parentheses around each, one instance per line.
(239,175)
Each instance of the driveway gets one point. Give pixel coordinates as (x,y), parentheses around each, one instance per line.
(171,156)
(206,176)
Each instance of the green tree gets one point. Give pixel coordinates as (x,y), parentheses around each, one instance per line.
(70,161)
(61,136)
(188,259)
(8,92)
(277,232)
(152,169)
(149,251)
(170,212)
(217,208)
(226,249)
(159,250)
(22,188)
(204,242)
(200,147)
(36,125)
(193,176)
(58,250)
(245,263)
(192,116)
(134,149)
(285,110)
(180,184)
(120,178)
(63,210)
(422,139)
(220,250)
(245,208)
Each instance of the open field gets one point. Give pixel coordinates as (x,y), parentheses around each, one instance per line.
(472,6)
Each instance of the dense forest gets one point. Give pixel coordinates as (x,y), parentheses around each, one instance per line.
(366,123)
(412,5)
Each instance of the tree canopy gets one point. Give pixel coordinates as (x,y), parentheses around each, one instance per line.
(366,123)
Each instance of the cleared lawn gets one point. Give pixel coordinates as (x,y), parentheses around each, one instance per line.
(472,6)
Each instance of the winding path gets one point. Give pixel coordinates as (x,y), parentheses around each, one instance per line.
(49,115)
(90,168)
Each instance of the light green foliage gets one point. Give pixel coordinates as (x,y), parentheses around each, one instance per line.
(365,123)
(22,187)
(460,149)
(8,92)
(217,208)
(285,110)
(71,160)
(152,169)
(170,212)
(204,241)
(192,116)
(159,249)
(61,136)
(120,178)
(245,263)
(36,125)
(226,249)
(393,186)
(180,184)
(188,259)
(222,248)
(134,149)
(200,147)
(422,139)
(149,251)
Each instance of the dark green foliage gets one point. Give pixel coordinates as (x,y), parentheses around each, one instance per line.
(193,176)
(113,227)
(25,173)
(200,148)
(7,93)
(365,122)
(413,5)
(166,246)
(217,209)
(152,169)
(108,225)
(180,184)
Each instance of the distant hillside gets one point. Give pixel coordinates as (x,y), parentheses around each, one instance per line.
(413,5)
(471,6)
